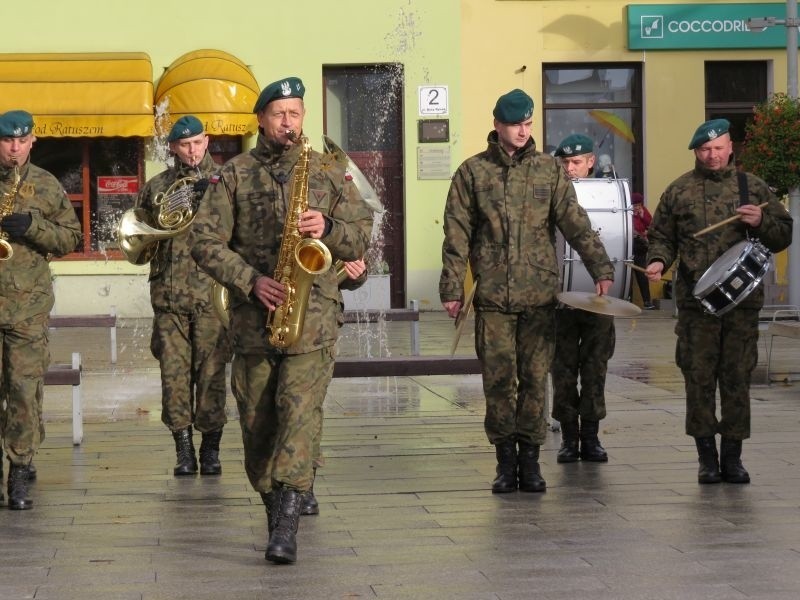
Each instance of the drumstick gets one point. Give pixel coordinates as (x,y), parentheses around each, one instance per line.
(724,222)
(635,267)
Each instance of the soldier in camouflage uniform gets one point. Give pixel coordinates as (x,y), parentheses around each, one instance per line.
(502,212)
(41,223)
(584,344)
(189,340)
(715,350)
(237,238)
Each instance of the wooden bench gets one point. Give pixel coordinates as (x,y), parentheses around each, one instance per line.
(110,321)
(410,315)
(70,375)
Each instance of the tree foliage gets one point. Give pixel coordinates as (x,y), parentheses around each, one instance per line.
(772,143)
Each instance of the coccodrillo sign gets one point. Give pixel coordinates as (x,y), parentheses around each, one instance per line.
(689,26)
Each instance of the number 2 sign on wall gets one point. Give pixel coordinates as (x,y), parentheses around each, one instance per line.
(432,100)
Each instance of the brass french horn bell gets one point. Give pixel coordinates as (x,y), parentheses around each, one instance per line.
(138,237)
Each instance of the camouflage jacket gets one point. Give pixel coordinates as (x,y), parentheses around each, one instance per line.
(502,213)
(26,288)
(177,284)
(700,198)
(238,231)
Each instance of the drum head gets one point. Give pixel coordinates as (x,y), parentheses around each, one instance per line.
(723,265)
(607,202)
(732,277)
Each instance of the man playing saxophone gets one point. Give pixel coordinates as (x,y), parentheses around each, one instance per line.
(238,237)
(189,340)
(36,220)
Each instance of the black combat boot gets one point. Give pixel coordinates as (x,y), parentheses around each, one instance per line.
(506,480)
(310,506)
(591,450)
(285,517)
(18,488)
(707,456)
(184,451)
(31,472)
(733,470)
(569,442)
(530,476)
(209,453)
(267,499)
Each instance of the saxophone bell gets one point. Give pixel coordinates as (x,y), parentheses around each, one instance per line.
(6,251)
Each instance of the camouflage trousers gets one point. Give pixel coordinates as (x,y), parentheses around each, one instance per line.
(192,351)
(24,356)
(584,344)
(515,351)
(317,458)
(278,396)
(717,351)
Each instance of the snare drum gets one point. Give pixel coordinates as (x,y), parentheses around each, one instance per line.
(732,277)
(607,202)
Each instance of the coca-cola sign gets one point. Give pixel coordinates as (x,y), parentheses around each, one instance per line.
(117,184)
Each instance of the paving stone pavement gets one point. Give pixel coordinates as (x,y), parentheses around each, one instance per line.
(406,510)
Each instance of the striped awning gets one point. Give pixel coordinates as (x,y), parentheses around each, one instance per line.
(81,95)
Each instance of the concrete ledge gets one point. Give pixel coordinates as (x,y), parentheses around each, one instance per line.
(406,366)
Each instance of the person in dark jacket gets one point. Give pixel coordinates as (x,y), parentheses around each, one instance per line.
(715,351)
(641,221)
(189,340)
(37,221)
(502,211)
(584,344)
(240,238)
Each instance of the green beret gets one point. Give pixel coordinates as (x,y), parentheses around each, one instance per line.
(185,127)
(291,87)
(514,107)
(16,123)
(575,145)
(708,131)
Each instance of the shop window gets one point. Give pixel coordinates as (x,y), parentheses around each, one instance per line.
(222,148)
(602,101)
(102,177)
(733,87)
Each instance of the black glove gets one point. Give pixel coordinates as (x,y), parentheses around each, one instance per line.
(200,186)
(16,224)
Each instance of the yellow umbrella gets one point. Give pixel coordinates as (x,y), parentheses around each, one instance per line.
(614,123)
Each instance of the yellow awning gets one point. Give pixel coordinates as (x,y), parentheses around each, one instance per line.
(104,94)
(214,86)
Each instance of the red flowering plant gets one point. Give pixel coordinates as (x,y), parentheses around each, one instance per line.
(772,143)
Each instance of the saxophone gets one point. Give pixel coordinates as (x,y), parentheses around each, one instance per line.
(6,208)
(300,260)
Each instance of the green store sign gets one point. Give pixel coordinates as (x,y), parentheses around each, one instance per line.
(692,26)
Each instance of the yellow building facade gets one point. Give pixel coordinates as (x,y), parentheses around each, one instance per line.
(428,73)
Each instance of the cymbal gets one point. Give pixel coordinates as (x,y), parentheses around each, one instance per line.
(604,305)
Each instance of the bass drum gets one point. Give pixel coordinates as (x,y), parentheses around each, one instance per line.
(608,204)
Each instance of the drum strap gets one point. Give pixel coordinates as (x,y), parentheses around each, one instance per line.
(744,193)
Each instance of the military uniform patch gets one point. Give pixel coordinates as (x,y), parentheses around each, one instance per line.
(27,190)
